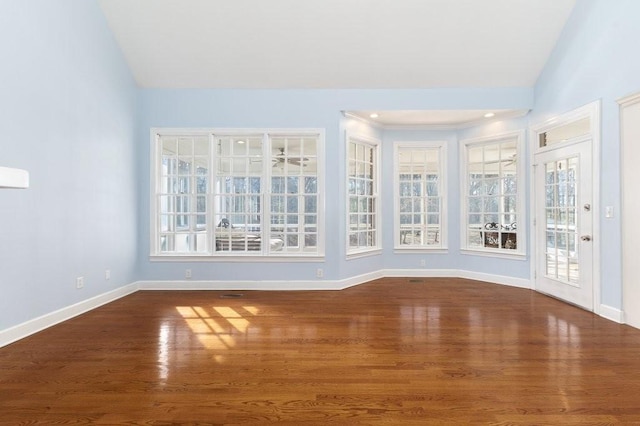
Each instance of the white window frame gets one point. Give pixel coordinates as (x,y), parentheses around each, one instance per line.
(521,187)
(263,255)
(441,233)
(375,144)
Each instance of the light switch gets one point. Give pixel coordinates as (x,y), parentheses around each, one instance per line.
(608,212)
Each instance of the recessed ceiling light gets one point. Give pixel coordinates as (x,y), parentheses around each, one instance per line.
(374,115)
(489,115)
(240,141)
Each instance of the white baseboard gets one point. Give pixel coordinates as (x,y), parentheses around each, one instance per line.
(421,273)
(359,279)
(25,329)
(612,314)
(497,279)
(265,285)
(240,285)
(35,325)
(326,284)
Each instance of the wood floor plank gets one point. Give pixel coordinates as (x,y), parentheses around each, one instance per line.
(440,351)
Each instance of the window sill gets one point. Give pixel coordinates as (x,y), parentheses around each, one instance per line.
(364,253)
(495,254)
(425,250)
(239,259)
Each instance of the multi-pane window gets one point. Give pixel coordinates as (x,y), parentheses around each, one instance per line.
(362,195)
(561,208)
(181,194)
(419,191)
(238,194)
(493,195)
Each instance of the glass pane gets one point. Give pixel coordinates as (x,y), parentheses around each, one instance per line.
(476,187)
(185,146)
(292,185)
(239,166)
(310,185)
(292,204)
(310,204)
(277,185)
(433,204)
(432,189)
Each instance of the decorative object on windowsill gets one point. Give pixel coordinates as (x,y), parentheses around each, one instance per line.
(13,178)
(506,239)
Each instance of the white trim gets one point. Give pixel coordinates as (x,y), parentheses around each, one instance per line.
(497,279)
(266,133)
(13,178)
(234,259)
(612,314)
(627,211)
(521,250)
(35,325)
(424,250)
(593,112)
(240,285)
(513,114)
(364,253)
(40,323)
(377,174)
(441,147)
(422,273)
(359,279)
(590,110)
(629,100)
(489,253)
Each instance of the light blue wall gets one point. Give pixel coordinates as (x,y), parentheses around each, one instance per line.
(311,108)
(597,58)
(68,116)
(72,115)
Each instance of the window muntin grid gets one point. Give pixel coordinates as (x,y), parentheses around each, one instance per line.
(216,195)
(419,196)
(362,194)
(492,213)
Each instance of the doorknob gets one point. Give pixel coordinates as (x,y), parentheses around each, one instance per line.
(586,238)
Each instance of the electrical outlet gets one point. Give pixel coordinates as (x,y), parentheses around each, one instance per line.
(79,282)
(319,273)
(187,273)
(107,274)
(423,262)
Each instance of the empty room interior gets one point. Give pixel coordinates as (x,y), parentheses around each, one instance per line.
(345,212)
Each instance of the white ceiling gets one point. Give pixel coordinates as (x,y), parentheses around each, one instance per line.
(336,44)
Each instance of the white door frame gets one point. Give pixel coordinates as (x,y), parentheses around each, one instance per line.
(592,112)
(628,154)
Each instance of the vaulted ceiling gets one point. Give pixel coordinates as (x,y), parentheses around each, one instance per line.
(336,44)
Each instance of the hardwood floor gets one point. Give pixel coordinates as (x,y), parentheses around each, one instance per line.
(393,351)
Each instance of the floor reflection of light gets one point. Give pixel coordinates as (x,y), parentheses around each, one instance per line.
(215,329)
(233,318)
(433,323)
(251,309)
(163,353)
(564,353)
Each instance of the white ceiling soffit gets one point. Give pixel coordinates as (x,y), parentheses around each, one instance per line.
(336,44)
(433,119)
